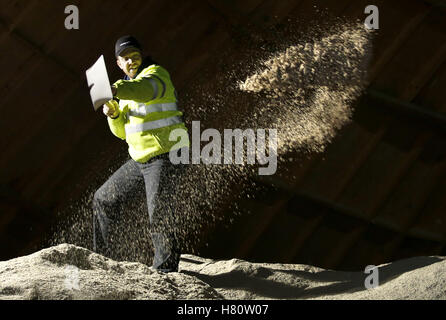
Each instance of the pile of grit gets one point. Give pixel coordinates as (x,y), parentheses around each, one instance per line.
(70,272)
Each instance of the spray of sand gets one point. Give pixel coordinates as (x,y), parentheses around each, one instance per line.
(304,89)
(312,86)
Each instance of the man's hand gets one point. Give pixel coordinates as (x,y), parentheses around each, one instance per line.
(111,109)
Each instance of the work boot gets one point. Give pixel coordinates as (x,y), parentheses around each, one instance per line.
(166,265)
(165,258)
(163,270)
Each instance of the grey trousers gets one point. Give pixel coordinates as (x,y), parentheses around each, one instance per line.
(158,178)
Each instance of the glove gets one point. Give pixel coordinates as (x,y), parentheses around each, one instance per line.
(111,109)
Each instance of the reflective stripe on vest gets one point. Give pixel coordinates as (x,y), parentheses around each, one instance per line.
(134,128)
(155,88)
(144,109)
(162,82)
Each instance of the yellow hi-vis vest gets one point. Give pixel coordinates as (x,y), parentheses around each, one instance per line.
(146,126)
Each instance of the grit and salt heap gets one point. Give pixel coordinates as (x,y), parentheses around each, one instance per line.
(305,90)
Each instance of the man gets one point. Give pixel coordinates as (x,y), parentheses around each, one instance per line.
(146,115)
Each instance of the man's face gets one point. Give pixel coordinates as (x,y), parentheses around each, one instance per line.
(129,61)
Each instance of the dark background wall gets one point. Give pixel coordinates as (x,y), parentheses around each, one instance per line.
(377,194)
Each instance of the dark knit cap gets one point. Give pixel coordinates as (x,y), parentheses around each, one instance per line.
(126,42)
